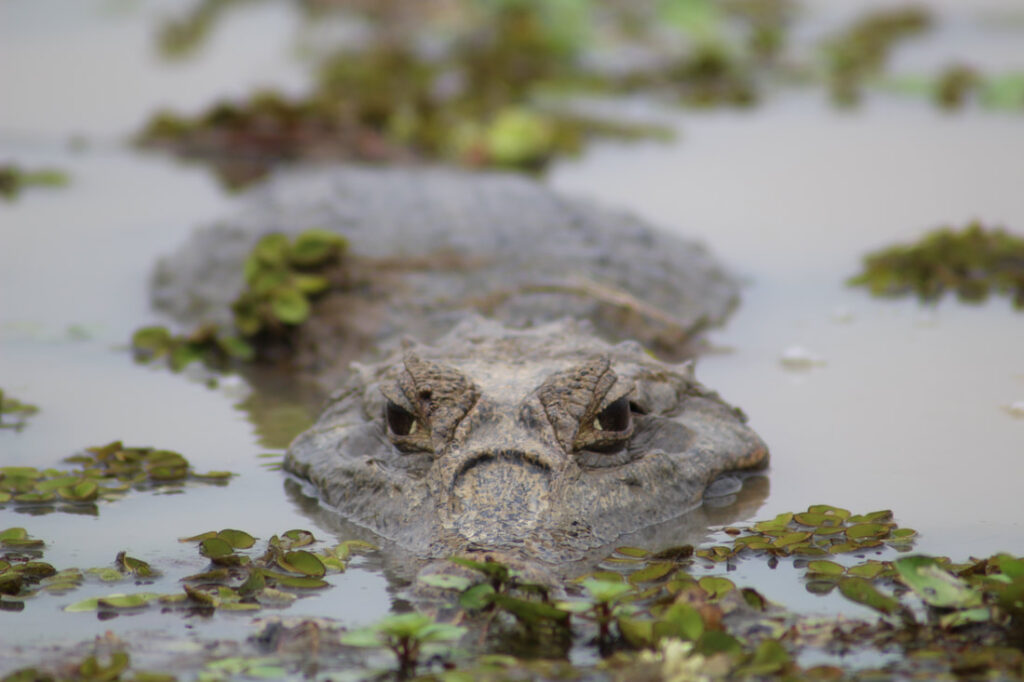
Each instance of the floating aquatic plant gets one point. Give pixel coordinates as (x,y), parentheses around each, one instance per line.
(972,262)
(14,414)
(13,180)
(282,277)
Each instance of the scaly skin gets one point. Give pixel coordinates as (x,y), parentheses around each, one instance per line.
(547,443)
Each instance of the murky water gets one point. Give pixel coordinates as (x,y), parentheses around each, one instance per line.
(905,411)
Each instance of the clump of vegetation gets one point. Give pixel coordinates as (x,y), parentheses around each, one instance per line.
(15,411)
(972,262)
(479,100)
(282,278)
(862,50)
(13,180)
(103,473)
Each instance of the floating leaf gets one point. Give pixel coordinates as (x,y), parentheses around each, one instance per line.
(863,592)
(13,534)
(715,586)
(236,538)
(215,548)
(133,566)
(862,531)
(126,601)
(825,568)
(651,572)
(529,612)
(636,552)
(869,570)
(298,537)
(779,523)
(934,585)
(301,561)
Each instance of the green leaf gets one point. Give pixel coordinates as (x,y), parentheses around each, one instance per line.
(11,582)
(934,585)
(477,597)
(301,561)
(13,534)
(316,247)
(636,552)
(133,566)
(958,619)
(238,539)
(715,586)
(151,341)
(298,537)
(303,582)
(126,601)
(861,531)
(84,491)
(364,637)
(604,592)
(869,570)
(493,569)
(825,568)
(863,592)
(215,547)
(235,347)
(254,583)
(530,612)
(290,306)
(769,657)
(680,620)
(639,633)
(652,572)
(780,522)
(311,284)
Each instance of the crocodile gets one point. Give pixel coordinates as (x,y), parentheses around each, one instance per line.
(513,370)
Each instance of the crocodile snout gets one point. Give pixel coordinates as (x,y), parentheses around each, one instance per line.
(500,495)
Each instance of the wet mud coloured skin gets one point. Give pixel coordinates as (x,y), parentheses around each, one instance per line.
(545,443)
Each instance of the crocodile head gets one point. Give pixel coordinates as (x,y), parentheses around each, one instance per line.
(545,442)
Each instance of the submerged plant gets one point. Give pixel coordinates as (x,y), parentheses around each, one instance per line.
(972,262)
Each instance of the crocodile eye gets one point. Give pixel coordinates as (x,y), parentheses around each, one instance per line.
(615,417)
(400,421)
